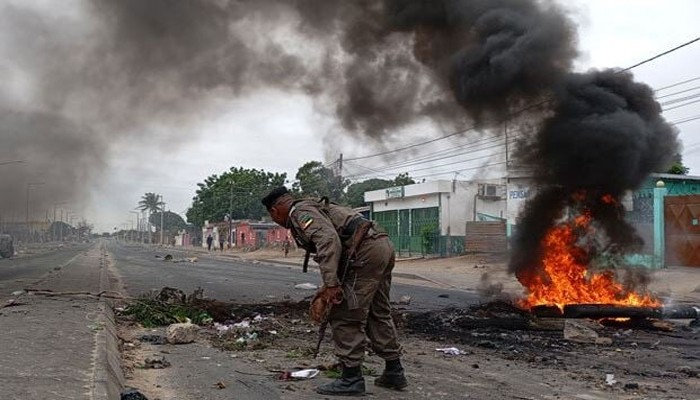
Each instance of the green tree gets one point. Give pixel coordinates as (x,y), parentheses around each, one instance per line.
(678,168)
(236,192)
(355,196)
(403,179)
(315,180)
(150,202)
(171,222)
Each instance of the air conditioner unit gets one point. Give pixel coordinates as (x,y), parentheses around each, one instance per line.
(491,192)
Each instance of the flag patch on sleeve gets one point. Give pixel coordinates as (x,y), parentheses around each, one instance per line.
(305,221)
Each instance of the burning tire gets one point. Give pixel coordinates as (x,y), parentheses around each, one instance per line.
(7,249)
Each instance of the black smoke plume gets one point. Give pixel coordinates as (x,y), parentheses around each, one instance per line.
(605,135)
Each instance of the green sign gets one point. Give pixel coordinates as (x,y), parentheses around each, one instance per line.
(394,192)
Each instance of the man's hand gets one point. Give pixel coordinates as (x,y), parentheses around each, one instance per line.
(333,294)
(323,300)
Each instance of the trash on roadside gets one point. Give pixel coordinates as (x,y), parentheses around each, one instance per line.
(451,351)
(299,375)
(403,300)
(306,286)
(243,324)
(168,257)
(132,394)
(610,379)
(220,385)
(153,339)
(156,363)
(18,293)
(444,296)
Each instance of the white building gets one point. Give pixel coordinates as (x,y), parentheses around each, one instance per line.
(431,217)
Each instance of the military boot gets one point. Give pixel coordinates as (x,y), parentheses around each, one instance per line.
(393,376)
(351,383)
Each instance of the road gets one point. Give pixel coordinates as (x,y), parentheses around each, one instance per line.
(21,272)
(230,279)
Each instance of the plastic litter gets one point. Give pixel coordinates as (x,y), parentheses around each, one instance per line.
(306,286)
(452,351)
(299,375)
(610,379)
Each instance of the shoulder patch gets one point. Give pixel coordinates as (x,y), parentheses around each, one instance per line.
(305,220)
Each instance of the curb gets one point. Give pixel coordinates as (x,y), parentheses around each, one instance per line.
(107,374)
(107,378)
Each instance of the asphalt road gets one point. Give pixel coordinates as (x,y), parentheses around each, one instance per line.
(235,280)
(20,272)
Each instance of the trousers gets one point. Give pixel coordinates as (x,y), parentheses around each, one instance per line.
(368,318)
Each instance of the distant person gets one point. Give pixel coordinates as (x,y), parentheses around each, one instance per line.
(285,247)
(222,240)
(210,240)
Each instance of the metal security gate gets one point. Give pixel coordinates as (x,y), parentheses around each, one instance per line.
(413,231)
(682,230)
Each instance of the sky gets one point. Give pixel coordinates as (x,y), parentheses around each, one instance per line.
(277,131)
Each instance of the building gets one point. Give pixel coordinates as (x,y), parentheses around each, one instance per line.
(432,217)
(250,234)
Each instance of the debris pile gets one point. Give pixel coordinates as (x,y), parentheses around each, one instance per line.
(170,306)
(257,327)
(517,334)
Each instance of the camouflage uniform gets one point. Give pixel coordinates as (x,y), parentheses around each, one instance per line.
(323,228)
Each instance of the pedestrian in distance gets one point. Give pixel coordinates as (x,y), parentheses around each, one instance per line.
(210,240)
(222,240)
(356,260)
(285,247)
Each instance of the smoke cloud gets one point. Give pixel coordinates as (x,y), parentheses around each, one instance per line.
(100,73)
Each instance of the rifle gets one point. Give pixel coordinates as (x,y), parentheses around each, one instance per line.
(357,238)
(305,267)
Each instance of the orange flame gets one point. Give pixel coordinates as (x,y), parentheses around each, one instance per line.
(565,278)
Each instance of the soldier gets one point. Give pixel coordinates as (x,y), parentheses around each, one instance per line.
(356,261)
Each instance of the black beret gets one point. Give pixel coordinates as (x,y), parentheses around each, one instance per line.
(272,197)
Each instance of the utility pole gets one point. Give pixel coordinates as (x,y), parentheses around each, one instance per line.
(340,166)
(162,211)
(30,185)
(230,219)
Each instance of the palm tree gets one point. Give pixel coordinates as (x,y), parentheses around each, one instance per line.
(152,203)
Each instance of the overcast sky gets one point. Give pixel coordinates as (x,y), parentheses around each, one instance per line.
(278,132)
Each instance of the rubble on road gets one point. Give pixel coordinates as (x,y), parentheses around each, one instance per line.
(156,362)
(181,333)
(153,339)
(132,394)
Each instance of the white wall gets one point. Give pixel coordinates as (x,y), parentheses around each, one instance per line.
(424,201)
(519,192)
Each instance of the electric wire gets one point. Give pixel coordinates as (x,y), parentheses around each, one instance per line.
(522,110)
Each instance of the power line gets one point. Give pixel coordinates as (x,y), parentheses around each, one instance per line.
(517,112)
(662,54)
(680,99)
(677,93)
(678,84)
(682,105)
